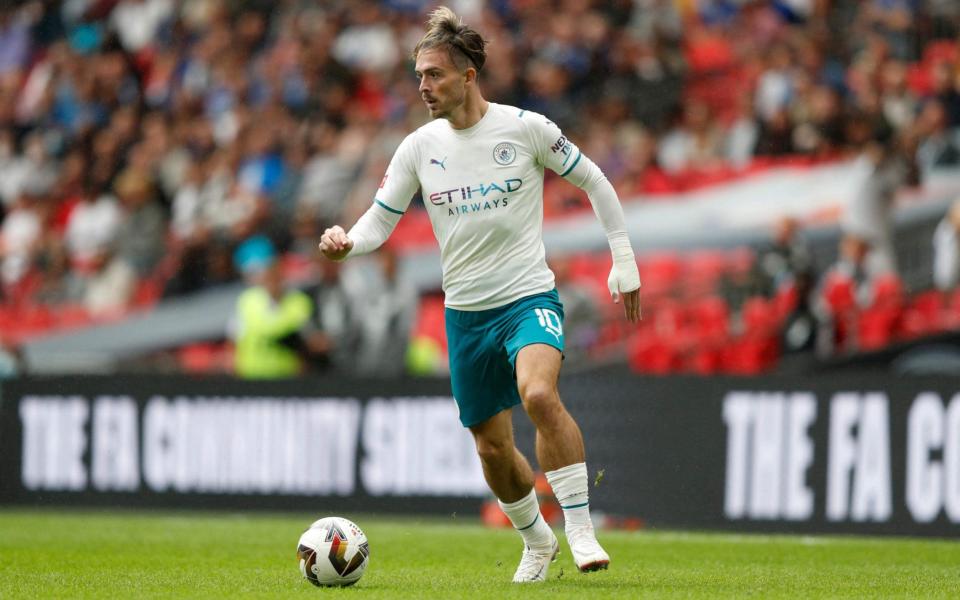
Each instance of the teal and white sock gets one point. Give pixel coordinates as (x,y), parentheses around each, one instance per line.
(526,518)
(571,488)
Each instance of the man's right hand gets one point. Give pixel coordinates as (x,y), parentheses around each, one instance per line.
(334,243)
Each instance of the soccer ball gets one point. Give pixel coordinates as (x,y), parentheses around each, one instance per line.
(333,551)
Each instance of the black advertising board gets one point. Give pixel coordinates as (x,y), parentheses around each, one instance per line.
(842,455)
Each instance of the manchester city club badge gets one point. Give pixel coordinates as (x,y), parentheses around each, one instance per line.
(504,153)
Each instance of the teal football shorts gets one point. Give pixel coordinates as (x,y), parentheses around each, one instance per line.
(483,347)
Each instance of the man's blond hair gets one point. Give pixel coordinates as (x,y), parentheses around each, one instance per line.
(445,30)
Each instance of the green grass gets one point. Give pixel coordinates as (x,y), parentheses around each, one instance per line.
(88,554)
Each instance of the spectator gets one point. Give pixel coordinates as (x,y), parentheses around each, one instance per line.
(328,174)
(776,135)
(895,21)
(945,83)
(937,146)
(694,143)
(21,235)
(740,142)
(92,227)
(142,229)
(819,132)
(787,276)
(269,318)
(581,313)
(869,216)
(843,290)
(241,118)
(334,330)
(787,261)
(946,250)
(137,22)
(108,283)
(775,85)
(386,306)
(898,102)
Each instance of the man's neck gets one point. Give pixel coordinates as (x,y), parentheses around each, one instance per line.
(470,113)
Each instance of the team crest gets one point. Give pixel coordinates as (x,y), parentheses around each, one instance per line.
(504,153)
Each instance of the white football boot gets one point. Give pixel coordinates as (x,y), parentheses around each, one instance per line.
(534,565)
(586,550)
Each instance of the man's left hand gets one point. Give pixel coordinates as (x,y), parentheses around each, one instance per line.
(625,274)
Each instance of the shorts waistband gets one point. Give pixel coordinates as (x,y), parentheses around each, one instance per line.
(466,318)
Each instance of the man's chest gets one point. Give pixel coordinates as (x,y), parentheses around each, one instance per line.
(467,177)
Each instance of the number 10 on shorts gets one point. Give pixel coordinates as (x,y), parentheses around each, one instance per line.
(550,321)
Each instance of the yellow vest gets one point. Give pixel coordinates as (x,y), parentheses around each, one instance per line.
(261,324)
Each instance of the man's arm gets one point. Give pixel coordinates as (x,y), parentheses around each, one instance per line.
(562,156)
(624,278)
(370,231)
(374,227)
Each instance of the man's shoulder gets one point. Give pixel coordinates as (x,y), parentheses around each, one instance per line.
(525,116)
(430,128)
(409,147)
(508,111)
(535,125)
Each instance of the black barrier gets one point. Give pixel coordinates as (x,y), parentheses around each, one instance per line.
(853,455)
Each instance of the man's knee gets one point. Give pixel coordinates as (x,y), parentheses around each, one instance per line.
(541,401)
(494,451)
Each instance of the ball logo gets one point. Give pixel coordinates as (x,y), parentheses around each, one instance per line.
(338,550)
(308,556)
(504,153)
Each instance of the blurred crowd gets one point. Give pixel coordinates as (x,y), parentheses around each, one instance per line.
(142,142)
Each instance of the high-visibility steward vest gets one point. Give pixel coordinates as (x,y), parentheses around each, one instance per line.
(261,324)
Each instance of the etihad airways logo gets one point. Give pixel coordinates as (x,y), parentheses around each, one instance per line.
(474,192)
(474,198)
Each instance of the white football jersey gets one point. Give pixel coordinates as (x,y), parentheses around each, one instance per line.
(483,190)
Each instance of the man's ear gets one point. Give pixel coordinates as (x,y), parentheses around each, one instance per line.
(470,75)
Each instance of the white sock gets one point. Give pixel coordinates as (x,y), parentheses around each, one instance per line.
(526,518)
(571,488)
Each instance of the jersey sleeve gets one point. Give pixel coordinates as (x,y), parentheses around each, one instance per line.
(392,199)
(552,149)
(400,182)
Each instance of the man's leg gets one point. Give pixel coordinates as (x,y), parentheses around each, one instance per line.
(510,477)
(560,450)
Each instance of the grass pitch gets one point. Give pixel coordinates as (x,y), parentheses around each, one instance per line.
(46,554)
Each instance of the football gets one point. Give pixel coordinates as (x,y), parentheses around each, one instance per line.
(333,551)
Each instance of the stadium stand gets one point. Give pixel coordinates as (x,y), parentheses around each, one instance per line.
(218,121)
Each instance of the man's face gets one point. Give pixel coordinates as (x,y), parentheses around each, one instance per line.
(442,87)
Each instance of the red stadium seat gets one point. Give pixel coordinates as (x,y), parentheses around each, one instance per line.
(201,357)
(924,315)
(430,320)
(786,300)
(414,231)
(710,324)
(711,319)
(703,271)
(654,355)
(660,274)
(750,356)
(887,291)
(838,292)
(876,327)
(757,348)
(759,316)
